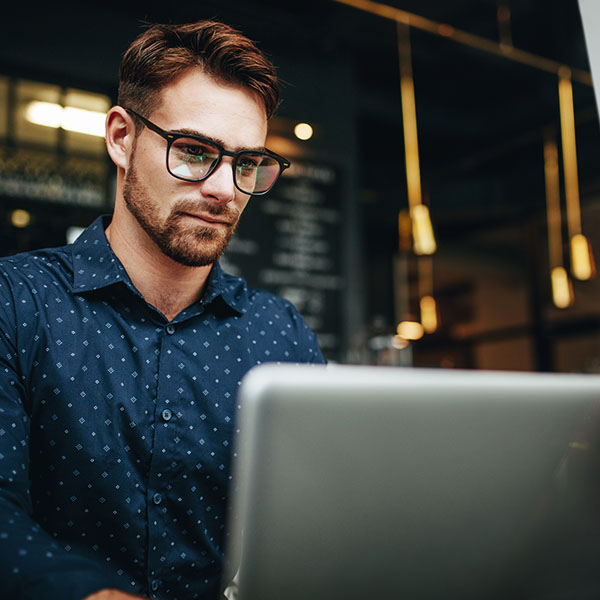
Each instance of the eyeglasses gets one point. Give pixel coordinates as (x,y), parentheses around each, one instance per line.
(194,158)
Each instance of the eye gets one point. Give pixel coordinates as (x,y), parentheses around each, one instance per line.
(190,150)
(248,164)
(195,150)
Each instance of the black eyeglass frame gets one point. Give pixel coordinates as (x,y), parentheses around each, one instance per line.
(171,136)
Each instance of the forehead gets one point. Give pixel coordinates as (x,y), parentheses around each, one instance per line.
(199,102)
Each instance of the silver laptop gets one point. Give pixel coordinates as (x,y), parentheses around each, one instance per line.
(355,482)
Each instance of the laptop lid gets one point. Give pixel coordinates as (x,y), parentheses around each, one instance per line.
(590,18)
(361,482)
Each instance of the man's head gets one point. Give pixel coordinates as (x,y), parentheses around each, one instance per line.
(202,80)
(163,52)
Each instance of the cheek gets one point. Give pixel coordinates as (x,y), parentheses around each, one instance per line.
(154,177)
(150,162)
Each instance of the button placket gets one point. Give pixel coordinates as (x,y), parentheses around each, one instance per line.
(162,447)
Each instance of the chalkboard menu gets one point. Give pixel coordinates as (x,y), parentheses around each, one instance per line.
(47,176)
(289,242)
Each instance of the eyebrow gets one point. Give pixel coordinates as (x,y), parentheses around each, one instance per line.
(208,138)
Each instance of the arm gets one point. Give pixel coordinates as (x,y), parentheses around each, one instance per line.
(32,564)
(308,350)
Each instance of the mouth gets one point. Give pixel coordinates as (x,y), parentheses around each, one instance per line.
(208,220)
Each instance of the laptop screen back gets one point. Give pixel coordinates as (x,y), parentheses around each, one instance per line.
(363,482)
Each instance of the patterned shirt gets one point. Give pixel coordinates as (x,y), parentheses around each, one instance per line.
(116,426)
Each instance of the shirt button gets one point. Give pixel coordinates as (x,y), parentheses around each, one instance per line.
(167,414)
(155,584)
(170,329)
(157,498)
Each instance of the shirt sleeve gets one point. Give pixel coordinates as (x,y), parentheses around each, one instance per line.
(32,564)
(308,346)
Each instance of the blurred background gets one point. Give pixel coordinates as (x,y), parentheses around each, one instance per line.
(483,257)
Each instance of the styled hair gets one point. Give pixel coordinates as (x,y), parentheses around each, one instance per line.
(163,52)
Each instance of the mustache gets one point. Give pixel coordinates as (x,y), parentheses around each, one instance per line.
(202,207)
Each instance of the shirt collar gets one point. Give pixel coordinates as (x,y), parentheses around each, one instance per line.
(231,290)
(96,266)
(94,263)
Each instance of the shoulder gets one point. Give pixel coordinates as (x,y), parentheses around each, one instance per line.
(268,310)
(262,301)
(257,302)
(34,262)
(272,318)
(29,271)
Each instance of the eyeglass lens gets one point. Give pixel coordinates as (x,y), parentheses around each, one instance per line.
(192,159)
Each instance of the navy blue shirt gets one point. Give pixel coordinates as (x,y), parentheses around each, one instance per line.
(116,426)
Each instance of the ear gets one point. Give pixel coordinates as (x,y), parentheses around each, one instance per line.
(120,135)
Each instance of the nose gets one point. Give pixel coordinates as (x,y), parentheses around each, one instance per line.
(219,186)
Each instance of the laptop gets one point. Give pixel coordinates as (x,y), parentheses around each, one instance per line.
(590,19)
(358,482)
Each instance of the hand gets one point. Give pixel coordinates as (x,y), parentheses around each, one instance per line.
(112,595)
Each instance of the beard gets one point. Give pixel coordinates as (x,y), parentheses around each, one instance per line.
(188,244)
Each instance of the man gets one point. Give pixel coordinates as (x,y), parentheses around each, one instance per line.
(120,355)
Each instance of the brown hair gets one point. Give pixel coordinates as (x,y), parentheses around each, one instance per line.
(163,52)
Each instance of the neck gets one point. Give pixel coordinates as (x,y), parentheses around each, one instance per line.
(164,283)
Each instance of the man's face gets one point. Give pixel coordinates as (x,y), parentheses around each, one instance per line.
(192,222)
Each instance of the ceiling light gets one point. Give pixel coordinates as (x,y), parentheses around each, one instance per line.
(582,260)
(424,240)
(562,289)
(303,131)
(79,120)
(428,313)
(20,218)
(410,330)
